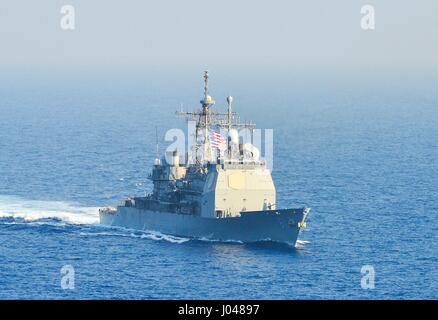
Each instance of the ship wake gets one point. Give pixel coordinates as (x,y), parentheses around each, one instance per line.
(26,210)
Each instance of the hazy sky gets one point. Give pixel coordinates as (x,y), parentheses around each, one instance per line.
(213,33)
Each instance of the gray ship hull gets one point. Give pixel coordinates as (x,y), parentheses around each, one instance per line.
(274,225)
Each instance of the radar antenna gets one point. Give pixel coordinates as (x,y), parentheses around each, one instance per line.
(206,119)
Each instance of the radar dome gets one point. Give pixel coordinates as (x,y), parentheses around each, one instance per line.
(251,151)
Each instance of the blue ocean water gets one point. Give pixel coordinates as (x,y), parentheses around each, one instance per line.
(363,156)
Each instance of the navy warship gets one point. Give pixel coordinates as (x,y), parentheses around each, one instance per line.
(222,190)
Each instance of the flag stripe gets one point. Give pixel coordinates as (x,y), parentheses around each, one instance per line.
(217,140)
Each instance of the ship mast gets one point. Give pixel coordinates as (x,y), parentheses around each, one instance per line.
(230,114)
(206,103)
(206,118)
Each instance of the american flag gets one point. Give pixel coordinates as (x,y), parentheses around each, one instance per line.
(217,140)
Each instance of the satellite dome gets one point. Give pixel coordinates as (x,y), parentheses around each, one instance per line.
(251,151)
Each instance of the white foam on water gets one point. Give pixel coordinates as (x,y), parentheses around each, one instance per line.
(219,241)
(301,244)
(33,210)
(150,235)
(155,235)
